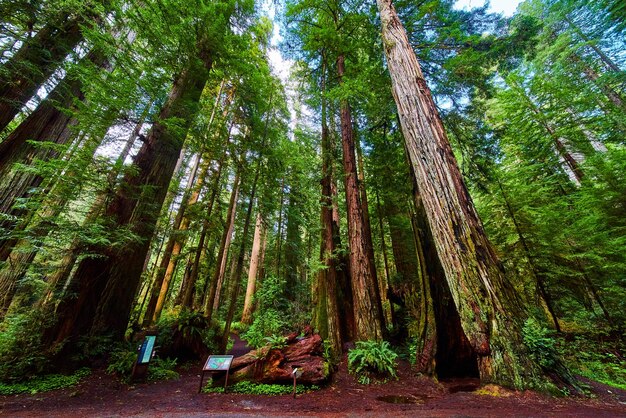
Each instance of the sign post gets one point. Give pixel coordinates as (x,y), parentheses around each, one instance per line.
(216,364)
(145,353)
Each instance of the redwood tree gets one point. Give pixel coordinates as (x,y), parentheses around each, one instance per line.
(488,309)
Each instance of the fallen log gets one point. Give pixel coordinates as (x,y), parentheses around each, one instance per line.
(276,365)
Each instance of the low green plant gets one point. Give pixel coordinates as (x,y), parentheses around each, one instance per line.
(596,357)
(372,360)
(276,341)
(252,388)
(44,383)
(162,369)
(266,325)
(123,359)
(541,346)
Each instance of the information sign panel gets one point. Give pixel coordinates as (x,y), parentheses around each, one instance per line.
(218,363)
(145,352)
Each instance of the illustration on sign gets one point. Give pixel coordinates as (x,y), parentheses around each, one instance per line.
(214,363)
(145,353)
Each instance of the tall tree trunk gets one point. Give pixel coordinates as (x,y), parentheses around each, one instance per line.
(292,241)
(220,266)
(279,234)
(255,258)
(367,306)
(34,63)
(236,279)
(189,288)
(102,290)
(327,310)
(489,312)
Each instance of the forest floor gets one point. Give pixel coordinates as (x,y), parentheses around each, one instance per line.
(102,395)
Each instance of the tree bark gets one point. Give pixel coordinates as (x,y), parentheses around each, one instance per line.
(34,63)
(485,301)
(102,290)
(255,256)
(220,266)
(236,280)
(367,306)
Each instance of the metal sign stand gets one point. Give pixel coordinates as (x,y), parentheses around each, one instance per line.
(216,364)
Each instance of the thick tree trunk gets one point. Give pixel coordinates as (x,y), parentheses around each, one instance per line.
(37,59)
(489,312)
(101,293)
(367,306)
(220,266)
(165,272)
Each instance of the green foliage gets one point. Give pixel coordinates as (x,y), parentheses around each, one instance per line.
(124,357)
(372,360)
(276,341)
(541,346)
(44,383)
(252,388)
(21,354)
(596,356)
(191,324)
(270,321)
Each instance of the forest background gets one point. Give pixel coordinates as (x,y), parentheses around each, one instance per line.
(155,172)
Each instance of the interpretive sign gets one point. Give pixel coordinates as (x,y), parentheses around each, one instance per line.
(146,349)
(144,355)
(216,363)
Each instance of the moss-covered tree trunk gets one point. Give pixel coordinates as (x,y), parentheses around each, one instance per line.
(489,312)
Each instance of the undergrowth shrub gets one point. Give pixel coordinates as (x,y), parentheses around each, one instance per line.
(271,322)
(44,383)
(123,359)
(596,357)
(372,360)
(21,353)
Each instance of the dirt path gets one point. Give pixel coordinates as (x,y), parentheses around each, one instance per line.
(101,395)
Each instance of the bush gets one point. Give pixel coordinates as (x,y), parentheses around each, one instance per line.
(541,346)
(21,353)
(372,360)
(123,359)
